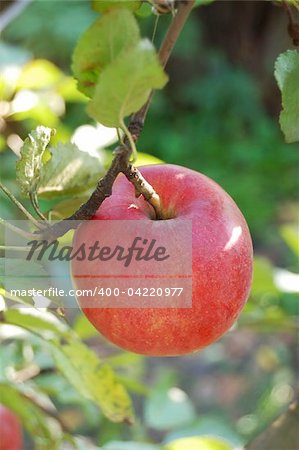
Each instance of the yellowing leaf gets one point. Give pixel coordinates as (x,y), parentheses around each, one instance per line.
(93,380)
(103,41)
(290,234)
(125,85)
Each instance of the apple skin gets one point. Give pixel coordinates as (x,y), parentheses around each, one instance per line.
(221,264)
(11,437)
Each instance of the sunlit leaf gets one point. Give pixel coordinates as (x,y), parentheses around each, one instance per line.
(67,207)
(287,76)
(29,165)
(68,89)
(126,83)
(103,41)
(207,425)
(68,171)
(198,443)
(145,10)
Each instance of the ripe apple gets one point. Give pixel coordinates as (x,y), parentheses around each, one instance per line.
(221,263)
(10,430)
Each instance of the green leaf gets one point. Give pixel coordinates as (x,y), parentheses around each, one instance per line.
(35,421)
(103,41)
(66,208)
(119,445)
(145,10)
(126,83)
(144,159)
(198,443)
(15,273)
(290,235)
(39,74)
(42,323)
(263,277)
(84,328)
(287,76)
(168,409)
(79,365)
(29,165)
(68,171)
(106,5)
(207,425)
(94,380)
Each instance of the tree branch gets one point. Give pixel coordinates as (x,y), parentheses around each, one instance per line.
(142,187)
(120,163)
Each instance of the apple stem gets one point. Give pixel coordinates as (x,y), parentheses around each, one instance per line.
(142,187)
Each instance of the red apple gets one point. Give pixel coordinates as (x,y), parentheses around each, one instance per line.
(221,263)
(10,430)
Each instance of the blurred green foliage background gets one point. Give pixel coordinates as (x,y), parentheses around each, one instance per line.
(218,115)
